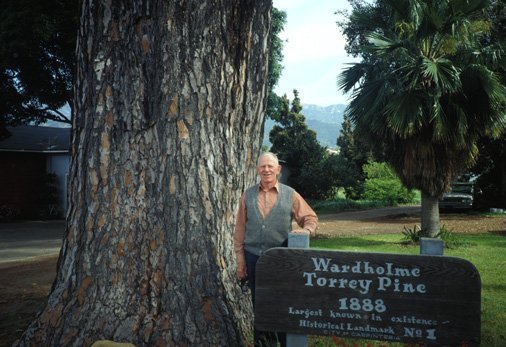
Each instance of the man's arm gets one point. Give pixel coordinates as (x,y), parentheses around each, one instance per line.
(304,215)
(240,230)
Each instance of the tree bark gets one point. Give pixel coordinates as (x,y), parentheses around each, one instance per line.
(430,214)
(169,116)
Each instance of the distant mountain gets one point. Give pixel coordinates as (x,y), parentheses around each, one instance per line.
(326,121)
(326,133)
(329,114)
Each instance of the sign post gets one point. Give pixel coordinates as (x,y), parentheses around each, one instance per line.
(428,299)
(297,241)
(431,246)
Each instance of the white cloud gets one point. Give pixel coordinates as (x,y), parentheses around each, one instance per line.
(314,54)
(313,41)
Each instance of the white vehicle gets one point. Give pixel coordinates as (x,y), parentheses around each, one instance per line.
(461,197)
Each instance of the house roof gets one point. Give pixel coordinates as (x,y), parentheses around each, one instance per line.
(36,139)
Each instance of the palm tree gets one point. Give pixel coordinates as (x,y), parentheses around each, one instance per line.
(426,90)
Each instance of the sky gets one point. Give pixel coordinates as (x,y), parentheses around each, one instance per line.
(314,54)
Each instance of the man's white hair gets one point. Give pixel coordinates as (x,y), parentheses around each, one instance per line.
(270,154)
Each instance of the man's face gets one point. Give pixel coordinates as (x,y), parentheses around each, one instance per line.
(267,170)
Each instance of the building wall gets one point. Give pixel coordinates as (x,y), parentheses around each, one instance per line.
(20,175)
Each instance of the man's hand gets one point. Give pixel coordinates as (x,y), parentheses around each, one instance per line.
(242,269)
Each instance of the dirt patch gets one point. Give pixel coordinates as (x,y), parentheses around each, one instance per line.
(24,285)
(329,227)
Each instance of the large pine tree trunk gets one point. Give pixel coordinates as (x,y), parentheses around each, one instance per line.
(169,99)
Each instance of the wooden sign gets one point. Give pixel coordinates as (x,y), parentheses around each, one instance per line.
(427,299)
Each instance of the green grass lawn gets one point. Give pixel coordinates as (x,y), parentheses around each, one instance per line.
(486,251)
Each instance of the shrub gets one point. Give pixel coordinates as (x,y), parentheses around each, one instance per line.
(48,196)
(414,235)
(383,184)
(8,213)
(450,240)
(335,205)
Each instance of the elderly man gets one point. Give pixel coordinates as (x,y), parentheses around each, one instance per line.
(264,221)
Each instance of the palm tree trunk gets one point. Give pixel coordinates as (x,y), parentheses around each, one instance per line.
(430,214)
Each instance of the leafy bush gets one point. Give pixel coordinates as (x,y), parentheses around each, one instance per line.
(8,213)
(414,235)
(383,184)
(48,196)
(450,240)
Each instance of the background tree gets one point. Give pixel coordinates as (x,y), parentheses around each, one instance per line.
(169,112)
(323,180)
(491,160)
(37,59)
(354,30)
(275,63)
(490,170)
(491,164)
(355,154)
(427,91)
(297,145)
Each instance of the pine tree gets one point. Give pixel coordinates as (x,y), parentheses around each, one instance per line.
(296,144)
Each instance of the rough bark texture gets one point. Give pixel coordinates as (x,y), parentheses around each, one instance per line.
(169,99)
(430,214)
